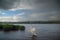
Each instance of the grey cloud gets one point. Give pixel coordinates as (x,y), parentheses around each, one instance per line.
(52,15)
(38,4)
(42,16)
(8,4)
(49,9)
(45,4)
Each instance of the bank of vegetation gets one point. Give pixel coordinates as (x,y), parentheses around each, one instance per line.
(10,27)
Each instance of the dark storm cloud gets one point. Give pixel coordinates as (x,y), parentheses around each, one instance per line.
(46,4)
(38,4)
(8,4)
(51,8)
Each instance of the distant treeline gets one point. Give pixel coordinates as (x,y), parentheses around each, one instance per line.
(34,22)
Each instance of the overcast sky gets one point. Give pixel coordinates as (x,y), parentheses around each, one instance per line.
(29,10)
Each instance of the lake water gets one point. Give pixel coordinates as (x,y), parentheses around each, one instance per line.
(44,32)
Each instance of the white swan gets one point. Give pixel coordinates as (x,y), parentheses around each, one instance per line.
(33,30)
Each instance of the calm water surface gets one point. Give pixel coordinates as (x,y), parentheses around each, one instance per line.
(44,32)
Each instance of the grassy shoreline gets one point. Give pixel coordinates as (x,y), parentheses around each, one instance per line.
(11,27)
